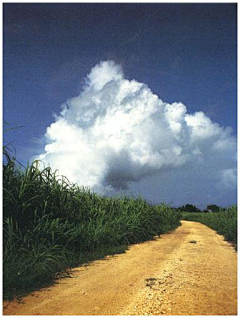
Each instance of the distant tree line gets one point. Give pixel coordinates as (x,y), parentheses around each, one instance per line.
(189,208)
(193,208)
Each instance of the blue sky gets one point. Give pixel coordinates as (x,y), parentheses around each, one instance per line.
(182,52)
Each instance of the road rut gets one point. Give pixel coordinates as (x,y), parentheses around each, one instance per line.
(191,271)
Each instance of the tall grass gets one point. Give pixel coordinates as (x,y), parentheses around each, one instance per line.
(224,222)
(51,225)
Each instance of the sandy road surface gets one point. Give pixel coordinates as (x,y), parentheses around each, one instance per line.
(167,276)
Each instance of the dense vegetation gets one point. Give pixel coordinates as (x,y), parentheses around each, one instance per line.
(51,225)
(224,222)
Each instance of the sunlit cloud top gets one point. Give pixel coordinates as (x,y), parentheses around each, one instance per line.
(117,132)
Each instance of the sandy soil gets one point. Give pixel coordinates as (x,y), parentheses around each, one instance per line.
(191,271)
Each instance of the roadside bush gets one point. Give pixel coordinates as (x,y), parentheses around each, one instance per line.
(51,225)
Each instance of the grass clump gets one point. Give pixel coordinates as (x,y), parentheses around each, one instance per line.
(224,222)
(51,225)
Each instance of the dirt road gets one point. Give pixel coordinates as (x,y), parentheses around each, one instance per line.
(191,271)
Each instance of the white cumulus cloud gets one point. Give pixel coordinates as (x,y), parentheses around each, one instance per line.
(117,133)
